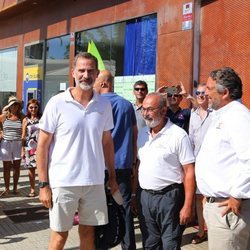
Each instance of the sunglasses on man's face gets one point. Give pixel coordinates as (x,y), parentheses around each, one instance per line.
(140,89)
(197,92)
(170,95)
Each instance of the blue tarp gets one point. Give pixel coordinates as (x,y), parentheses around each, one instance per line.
(140,46)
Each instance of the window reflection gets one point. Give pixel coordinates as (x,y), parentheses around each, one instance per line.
(57,66)
(8,74)
(34,54)
(109,41)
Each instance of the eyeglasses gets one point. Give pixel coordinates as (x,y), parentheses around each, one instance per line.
(31,107)
(149,109)
(140,89)
(170,95)
(197,92)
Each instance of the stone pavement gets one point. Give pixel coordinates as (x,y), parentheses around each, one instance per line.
(34,234)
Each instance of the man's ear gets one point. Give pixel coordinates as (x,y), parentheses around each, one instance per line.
(163,111)
(226,94)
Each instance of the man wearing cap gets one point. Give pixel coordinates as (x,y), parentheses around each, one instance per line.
(11,144)
(140,91)
(166,177)
(124,135)
(223,164)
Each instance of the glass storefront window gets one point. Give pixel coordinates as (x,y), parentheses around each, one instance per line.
(34,54)
(109,41)
(8,74)
(127,49)
(33,72)
(57,66)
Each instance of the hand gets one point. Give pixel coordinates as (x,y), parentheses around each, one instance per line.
(45,196)
(183,90)
(112,184)
(232,205)
(162,90)
(185,215)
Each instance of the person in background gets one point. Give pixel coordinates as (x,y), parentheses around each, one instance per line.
(175,113)
(30,138)
(199,122)
(140,91)
(74,145)
(223,164)
(11,143)
(124,135)
(166,177)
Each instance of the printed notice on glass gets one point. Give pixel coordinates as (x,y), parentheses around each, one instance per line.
(187,16)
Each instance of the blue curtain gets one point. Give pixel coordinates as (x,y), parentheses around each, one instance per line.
(140,46)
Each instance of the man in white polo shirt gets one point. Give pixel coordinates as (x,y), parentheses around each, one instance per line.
(223,164)
(74,144)
(166,177)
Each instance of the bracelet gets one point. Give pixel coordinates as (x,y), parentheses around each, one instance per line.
(133,195)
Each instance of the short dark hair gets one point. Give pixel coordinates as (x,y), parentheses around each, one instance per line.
(227,78)
(85,55)
(141,82)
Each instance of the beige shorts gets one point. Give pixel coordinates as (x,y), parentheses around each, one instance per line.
(11,150)
(89,201)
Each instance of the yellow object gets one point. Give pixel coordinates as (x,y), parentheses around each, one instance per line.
(92,49)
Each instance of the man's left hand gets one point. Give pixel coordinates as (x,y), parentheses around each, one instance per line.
(232,204)
(112,184)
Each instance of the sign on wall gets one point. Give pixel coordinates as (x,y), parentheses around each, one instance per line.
(123,85)
(187,16)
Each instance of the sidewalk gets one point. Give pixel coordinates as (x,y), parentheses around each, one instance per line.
(34,234)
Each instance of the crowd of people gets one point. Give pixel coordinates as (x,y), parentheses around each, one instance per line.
(19,136)
(163,160)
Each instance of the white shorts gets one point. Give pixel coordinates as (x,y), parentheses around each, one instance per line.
(11,150)
(90,201)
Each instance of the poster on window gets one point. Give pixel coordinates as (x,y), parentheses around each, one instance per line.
(123,85)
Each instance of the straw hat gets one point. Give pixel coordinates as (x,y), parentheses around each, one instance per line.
(11,101)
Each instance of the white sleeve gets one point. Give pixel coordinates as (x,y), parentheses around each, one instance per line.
(48,121)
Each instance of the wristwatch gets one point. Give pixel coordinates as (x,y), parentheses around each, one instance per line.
(43,184)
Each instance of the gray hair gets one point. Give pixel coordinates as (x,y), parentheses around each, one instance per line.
(162,102)
(85,55)
(227,78)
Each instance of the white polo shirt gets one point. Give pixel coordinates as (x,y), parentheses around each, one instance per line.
(223,162)
(162,157)
(76,154)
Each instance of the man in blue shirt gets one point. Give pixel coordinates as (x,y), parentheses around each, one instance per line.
(124,135)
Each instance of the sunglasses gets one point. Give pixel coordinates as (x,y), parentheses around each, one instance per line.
(197,92)
(33,107)
(170,95)
(139,89)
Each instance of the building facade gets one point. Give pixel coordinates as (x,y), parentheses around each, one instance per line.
(163,42)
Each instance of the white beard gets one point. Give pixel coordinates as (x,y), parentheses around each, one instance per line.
(153,123)
(86,87)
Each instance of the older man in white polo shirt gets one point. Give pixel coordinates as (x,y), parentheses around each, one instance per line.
(223,164)
(166,163)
